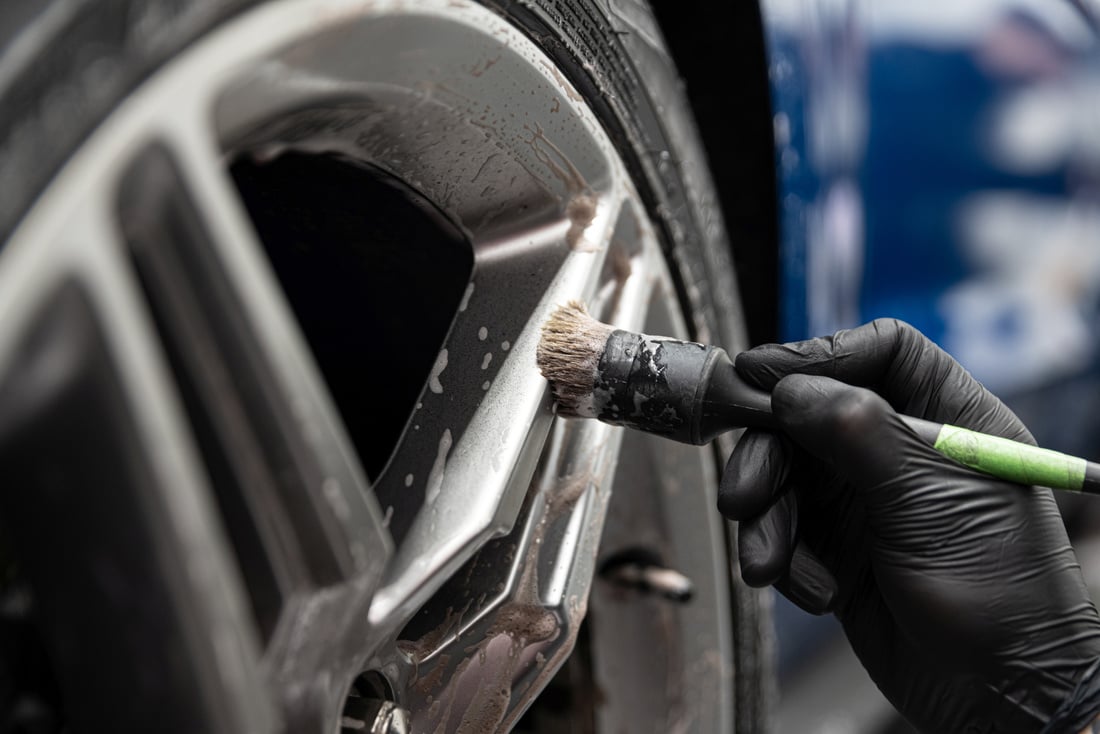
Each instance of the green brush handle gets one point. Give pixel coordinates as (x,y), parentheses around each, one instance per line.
(1007,459)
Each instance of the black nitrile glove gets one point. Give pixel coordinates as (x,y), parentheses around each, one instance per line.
(960,594)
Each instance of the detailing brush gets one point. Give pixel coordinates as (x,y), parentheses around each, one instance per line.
(691,393)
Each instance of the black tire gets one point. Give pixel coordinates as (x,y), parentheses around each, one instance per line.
(77,61)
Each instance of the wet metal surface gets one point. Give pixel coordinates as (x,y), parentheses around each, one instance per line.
(471,557)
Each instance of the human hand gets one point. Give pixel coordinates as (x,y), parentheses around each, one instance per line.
(959,593)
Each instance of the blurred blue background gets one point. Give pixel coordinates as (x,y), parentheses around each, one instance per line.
(939,162)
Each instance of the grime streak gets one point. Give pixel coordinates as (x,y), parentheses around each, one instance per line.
(479,69)
(483,165)
(580,210)
(566,172)
(563,84)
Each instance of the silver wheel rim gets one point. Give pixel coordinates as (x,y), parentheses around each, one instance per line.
(500,490)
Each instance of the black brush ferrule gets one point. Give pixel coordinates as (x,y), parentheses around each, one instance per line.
(685,391)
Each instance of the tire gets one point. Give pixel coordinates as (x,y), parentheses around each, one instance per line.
(184,410)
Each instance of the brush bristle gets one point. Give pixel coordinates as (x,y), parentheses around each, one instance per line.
(569,356)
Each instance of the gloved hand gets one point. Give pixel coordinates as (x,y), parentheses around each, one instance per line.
(959,593)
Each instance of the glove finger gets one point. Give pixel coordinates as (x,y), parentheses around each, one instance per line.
(855,431)
(860,356)
(765,543)
(808,583)
(754,476)
(914,375)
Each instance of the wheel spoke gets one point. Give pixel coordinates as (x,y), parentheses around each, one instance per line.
(482,441)
(320,486)
(513,636)
(307,516)
(94,438)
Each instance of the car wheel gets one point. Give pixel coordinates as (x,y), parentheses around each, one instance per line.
(276,455)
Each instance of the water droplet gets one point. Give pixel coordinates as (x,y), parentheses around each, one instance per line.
(482,334)
(435,478)
(408,480)
(466,297)
(437,369)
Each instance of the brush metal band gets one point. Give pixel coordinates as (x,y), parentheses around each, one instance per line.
(652,383)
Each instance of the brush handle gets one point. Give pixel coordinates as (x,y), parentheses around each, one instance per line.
(729,401)
(1007,459)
